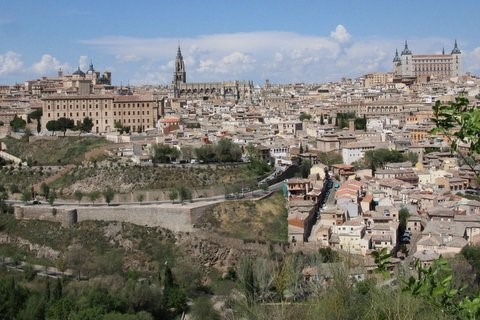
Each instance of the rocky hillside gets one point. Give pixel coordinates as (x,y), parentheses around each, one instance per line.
(244,219)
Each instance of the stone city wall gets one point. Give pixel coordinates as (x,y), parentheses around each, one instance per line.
(176,218)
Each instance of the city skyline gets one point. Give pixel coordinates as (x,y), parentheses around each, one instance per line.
(281,41)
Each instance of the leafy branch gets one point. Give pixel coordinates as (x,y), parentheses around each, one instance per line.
(459,122)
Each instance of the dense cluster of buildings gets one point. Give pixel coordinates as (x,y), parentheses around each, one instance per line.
(360,213)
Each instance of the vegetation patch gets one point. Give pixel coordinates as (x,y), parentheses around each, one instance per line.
(64,150)
(128,177)
(259,220)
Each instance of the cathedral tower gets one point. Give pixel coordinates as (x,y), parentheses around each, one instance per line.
(179,74)
(456,60)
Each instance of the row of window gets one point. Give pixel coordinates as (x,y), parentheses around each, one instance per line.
(128,113)
(90,115)
(127,105)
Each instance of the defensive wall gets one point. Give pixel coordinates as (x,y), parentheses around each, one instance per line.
(178,218)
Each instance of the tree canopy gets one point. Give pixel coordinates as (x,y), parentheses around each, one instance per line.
(224,151)
(17,123)
(61,124)
(84,126)
(459,123)
(162,153)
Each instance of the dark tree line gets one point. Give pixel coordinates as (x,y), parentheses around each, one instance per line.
(224,151)
(63,124)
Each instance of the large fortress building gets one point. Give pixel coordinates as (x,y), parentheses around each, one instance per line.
(409,67)
(229,90)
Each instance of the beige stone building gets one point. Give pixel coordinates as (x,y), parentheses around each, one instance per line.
(408,66)
(134,111)
(377,79)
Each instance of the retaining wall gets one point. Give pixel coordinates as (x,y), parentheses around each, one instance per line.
(177,218)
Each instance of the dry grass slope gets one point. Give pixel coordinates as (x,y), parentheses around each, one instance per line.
(260,220)
(64,150)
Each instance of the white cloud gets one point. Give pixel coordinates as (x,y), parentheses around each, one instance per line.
(83,63)
(47,64)
(472,61)
(280,56)
(10,62)
(340,34)
(128,58)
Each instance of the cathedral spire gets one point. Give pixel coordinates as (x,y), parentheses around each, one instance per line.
(179,73)
(406,50)
(455,48)
(396,58)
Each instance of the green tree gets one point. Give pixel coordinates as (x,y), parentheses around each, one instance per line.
(173,296)
(37,115)
(403,215)
(121,128)
(361,123)
(52,126)
(108,195)
(305,167)
(78,195)
(65,124)
(329,158)
(52,197)
(162,153)
(140,197)
(93,196)
(459,122)
(383,262)
(17,123)
(256,162)
(84,126)
(173,195)
(45,190)
(26,195)
(206,153)
(410,156)
(14,188)
(305,116)
(379,157)
(434,284)
(184,194)
(228,151)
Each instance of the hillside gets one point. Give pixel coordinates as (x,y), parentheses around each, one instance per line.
(61,151)
(245,219)
(127,177)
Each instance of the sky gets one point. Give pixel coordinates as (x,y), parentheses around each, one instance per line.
(284,41)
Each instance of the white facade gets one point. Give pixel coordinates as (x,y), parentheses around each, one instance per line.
(355,151)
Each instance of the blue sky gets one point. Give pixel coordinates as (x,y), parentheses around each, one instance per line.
(284,41)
